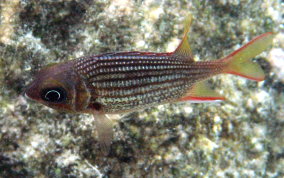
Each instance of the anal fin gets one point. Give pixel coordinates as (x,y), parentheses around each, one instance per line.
(201,92)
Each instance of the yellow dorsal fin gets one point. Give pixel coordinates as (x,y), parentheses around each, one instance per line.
(183,49)
(201,92)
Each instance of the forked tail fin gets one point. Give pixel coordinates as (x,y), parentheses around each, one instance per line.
(239,62)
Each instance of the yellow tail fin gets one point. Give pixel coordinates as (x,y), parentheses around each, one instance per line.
(239,62)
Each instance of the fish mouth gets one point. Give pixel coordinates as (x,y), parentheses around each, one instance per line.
(25,93)
(29,92)
(27,96)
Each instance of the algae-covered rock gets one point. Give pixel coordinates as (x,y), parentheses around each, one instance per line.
(240,137)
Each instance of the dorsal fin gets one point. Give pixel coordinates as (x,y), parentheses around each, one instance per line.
(183,48)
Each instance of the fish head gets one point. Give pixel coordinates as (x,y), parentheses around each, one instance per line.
(57,86)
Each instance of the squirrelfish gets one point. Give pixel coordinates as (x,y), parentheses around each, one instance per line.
(122,82)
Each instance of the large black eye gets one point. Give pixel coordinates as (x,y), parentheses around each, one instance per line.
(55,95)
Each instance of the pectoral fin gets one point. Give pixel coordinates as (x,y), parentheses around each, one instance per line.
(104,128)
(201,92)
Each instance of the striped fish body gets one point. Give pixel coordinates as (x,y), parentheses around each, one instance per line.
(122,82)
(127,81)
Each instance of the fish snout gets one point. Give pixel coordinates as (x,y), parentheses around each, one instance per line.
(31,92)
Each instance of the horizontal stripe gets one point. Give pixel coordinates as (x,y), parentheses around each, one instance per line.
(157,96)
(130,82)
(122,83)
(141,103)
(121,92)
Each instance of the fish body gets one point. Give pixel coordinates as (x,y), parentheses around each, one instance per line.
(122,82)
(127,81)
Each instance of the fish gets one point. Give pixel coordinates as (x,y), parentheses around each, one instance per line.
(122,82)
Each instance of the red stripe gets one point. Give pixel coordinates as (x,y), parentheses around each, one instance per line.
(245,76)
(246,45)
(187,98)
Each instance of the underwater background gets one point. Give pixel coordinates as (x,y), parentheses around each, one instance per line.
(240,137)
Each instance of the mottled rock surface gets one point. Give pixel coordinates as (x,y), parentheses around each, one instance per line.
(241,137)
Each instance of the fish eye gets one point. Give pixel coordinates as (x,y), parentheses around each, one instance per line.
(55,95)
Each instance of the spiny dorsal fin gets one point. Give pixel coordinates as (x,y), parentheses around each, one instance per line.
(184,48)
(201,92)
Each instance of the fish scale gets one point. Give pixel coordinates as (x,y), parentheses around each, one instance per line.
(127,82)
(139,101)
